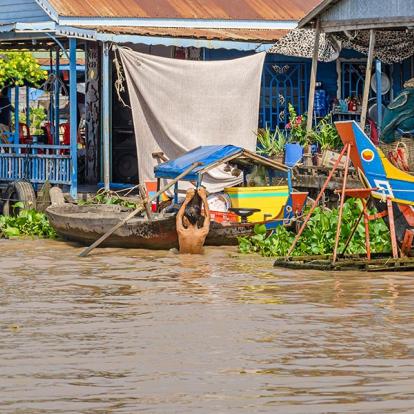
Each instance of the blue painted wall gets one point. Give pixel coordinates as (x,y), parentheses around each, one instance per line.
(327,72)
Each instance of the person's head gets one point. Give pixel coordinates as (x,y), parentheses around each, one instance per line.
(192,213)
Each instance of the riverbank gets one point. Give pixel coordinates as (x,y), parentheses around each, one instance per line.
(124,331)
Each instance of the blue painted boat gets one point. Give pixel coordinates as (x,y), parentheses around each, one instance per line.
(378,173)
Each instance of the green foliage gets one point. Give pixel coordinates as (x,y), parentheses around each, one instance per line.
(297,127)
(319,236)
(326,135)
(37,117)
(271,144)
(26,223)
(109,198)
(19,68)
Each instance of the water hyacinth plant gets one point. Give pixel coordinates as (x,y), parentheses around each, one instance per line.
(319,236)
(26,223)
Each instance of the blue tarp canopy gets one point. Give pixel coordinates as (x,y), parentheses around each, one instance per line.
(210,156)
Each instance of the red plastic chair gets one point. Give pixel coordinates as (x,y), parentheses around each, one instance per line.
(24,134)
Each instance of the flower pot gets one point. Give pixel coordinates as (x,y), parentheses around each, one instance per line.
(280,158)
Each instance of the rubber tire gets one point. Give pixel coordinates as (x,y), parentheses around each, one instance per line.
(19,191)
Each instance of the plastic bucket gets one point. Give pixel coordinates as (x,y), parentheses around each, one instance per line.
(293,154)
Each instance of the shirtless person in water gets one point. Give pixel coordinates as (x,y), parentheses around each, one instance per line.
(192,226)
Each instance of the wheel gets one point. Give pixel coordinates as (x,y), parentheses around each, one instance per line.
(19,191)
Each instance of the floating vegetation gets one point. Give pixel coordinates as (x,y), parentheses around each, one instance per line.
(318,237)
(26,223)
(109,198)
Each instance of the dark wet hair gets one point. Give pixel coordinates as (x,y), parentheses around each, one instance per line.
(193,211)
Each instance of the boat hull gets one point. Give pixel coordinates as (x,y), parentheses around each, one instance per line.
(86,224)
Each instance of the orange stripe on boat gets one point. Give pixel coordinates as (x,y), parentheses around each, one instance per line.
(346,133)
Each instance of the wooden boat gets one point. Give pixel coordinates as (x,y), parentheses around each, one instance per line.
(380,175)
(85,224)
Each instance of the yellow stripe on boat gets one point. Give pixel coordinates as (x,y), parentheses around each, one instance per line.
(392,172)
(270,200)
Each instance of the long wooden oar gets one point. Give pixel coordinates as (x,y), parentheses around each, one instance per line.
(85,252)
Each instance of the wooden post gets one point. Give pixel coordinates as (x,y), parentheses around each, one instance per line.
(307,157)
(367,83)
(391,222)
(341,205)
(312,86)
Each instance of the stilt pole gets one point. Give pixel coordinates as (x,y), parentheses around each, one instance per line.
(307,156)
(366,224)
(312,85)
(341,205)
(392,229)
(315,203)
(367,83)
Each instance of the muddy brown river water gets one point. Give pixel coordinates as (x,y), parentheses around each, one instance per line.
(127,331)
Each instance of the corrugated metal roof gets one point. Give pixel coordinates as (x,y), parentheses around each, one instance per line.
(187,9)
(246,35)
(339,16)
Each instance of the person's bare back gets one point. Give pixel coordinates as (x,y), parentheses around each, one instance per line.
(192,235)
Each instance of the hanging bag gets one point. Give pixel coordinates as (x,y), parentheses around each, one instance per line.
(399,156)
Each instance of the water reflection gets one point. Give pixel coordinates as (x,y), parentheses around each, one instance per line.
(126,331)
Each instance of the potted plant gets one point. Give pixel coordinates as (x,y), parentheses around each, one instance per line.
(271,144)
(328,140)
(299,138)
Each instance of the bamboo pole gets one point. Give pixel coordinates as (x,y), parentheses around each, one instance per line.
(351,235)
(367,83)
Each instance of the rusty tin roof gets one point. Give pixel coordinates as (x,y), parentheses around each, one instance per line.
(187,9)
(243,35)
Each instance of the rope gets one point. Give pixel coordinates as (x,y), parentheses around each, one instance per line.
(120,81)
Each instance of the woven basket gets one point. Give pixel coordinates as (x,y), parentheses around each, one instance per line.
(409,142)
